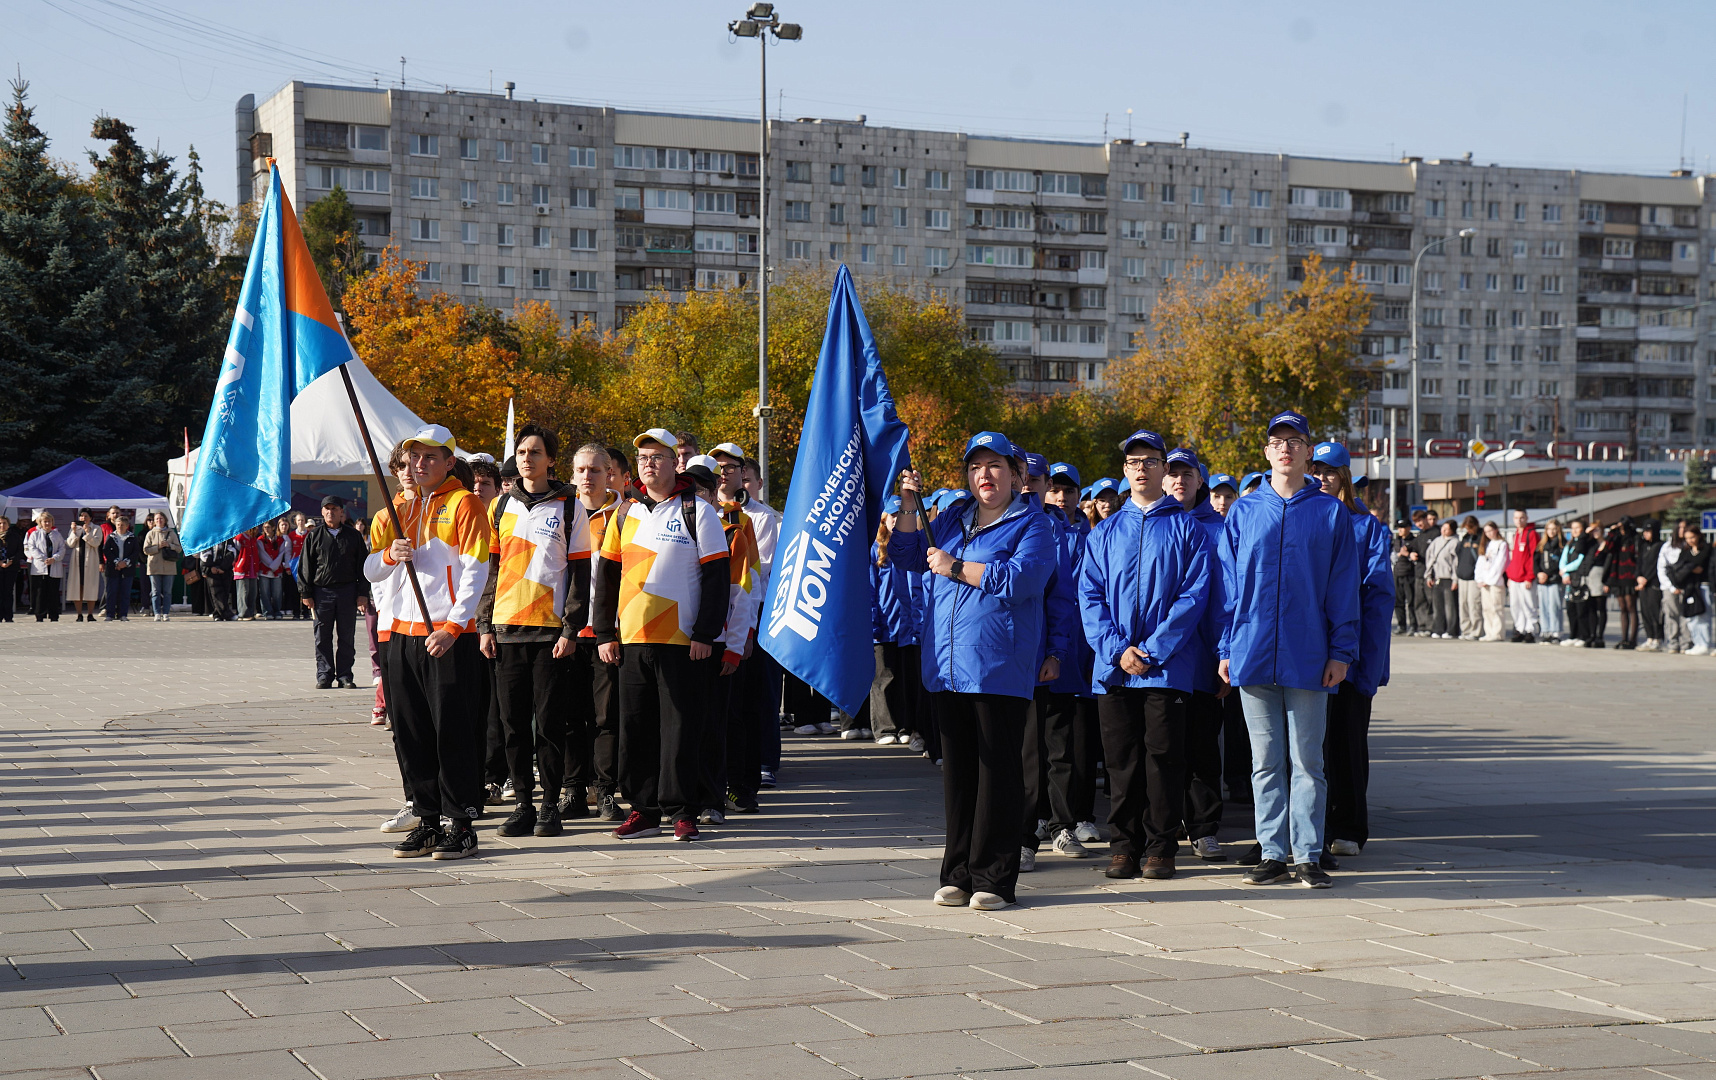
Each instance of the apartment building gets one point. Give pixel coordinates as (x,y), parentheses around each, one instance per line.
(1576,311)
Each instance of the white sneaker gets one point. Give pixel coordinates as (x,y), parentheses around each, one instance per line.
(852,734)
(404,821)
(1042,829)
(1650,645)
(1027,860)
(1067,844)
(508,793)
(988,901)
(1698,650)
(952,896)
(887,740)
(1343,848)
(1086,832)
(711,817)
(826,728)
(807,729)
(1578,643)
(1207,847)
(916,745)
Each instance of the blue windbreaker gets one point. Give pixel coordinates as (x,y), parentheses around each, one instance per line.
(1145,582)
(893,615)
(1205,677)
(1376,602)
(1061,632)
(1290,574)
(1075,666)
(984,639)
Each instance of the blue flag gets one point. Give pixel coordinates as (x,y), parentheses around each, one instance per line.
(816,619)
(284,336)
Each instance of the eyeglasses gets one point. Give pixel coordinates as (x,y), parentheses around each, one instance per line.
(1287,444)
(1148,463)
(654,459)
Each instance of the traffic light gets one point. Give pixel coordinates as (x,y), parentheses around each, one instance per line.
(1480,498)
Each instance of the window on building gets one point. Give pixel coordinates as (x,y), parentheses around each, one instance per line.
(541,237)
(425,229)
(503,194)
(581,157)
(425,187)
(468,232)
(937,219)
(504,235)
(504,277)
(503,150)
(426,146)
(936,179)
(798,250)
(867,175)
(582,281)
(1551,212)
(1260,234)
(900,255)
(837,213)
(797,211)
(867,215)
(469,274)
(938,258)
(866,253)
(899,217)
(899,177)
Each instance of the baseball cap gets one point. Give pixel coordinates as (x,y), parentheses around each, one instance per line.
(1361,482)
(891,506)
(705,468)
(1036,465)
(333,500)
(509,467)
(1148,438)
(658,434)
(1249,478)
(1222,479)
(732,450)
(1332,453)
(1061,469)
(993,441)
(1181,456)
(490,458)
(1107,483)
(1085,492)
(433,435)
(1291,419)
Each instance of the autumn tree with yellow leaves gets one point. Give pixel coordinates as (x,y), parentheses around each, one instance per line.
(1222,358)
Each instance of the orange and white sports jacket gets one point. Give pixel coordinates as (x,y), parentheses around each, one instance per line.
(449,532)
(745,596)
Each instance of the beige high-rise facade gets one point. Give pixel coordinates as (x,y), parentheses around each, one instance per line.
(1578,311)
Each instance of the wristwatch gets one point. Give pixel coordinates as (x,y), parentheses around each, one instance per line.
(957,569)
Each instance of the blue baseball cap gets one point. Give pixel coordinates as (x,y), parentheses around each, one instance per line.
(956,496)
(1085,492)
(1249,477)
(992,441)
(892,506)
(1181,456)
(1222,479)
(1107,483)
(1361,482)
(1291,419)
(1062,469)
(1036,465)
(1332,453)
(937,495)
(1148,438)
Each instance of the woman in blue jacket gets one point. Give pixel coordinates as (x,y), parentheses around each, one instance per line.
(1290,575)
(1346,745)
(991,556)
(894,624)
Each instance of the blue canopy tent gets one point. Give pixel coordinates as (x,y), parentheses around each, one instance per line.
(75,485)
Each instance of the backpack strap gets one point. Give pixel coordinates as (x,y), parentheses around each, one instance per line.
(688,512)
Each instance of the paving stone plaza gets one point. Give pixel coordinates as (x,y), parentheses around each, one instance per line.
(192,886)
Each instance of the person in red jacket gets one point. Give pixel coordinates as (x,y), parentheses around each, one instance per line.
(246,568)
(1522,578)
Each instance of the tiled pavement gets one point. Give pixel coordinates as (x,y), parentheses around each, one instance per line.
(191,885)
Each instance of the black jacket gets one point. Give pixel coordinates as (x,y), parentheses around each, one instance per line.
(333,557)
(1648,553)
(1466,562)
(1690,571)
(121,545)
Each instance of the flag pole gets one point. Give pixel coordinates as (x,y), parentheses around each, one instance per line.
(381,478)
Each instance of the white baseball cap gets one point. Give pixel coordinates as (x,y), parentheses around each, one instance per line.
(731,449)
(433,435)
(656,434)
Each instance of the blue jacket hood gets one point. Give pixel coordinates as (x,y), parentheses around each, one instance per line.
(1290,573)
(1145,583)
(984,639)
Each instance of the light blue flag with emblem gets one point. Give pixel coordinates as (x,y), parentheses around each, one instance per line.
(284,336)
(816,618)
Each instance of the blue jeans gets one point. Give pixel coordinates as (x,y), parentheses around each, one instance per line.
(1288,723)
(161,593)
(272,592)
(119,594)
(1700,625)
(1549,611)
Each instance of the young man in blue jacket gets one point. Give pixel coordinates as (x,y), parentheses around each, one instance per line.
(1142,591)
(1346,746)
(1290,575)
(1048,746)
(1204,717)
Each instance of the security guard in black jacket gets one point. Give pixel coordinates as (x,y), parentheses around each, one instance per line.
(332,583)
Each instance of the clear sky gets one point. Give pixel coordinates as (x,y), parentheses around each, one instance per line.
(1564,83)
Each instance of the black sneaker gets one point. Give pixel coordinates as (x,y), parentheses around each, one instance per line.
(458,842)
(1268,872)
(1253,855)
(321,684)
(1328,862)
(574,805)
(548,821)
(348,683)
(608,809)
(418,842)
(492,796)
(1311,876)
(1528,639)
(747,804)
(519,822)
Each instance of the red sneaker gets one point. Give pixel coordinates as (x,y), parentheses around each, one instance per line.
(635,826)
(685,830)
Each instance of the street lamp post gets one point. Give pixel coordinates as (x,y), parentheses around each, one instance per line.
(759,22)
(1415,432)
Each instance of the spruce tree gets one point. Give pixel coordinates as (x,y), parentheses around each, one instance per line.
(63,289)
(173,335)
(330,232)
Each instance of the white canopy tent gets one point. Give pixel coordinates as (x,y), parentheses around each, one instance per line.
(326,444)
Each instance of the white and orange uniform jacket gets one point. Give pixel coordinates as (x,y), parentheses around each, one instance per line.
(598,521)
(539,572)
(449,532)
(745,595)
(654,584)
